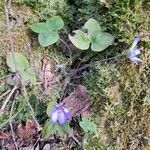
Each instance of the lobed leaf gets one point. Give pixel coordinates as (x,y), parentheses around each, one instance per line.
(55,23)
(48,130)
(61,130)
(80,40)
(21,61)
(92,26)
(39,27)
(87,125)
(101,41)
(48,38)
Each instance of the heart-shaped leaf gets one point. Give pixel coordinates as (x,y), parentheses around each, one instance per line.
(48,38)
(92,26)
(48,31)
(81,40)
(48,129)
(87,125)
(20,61)
(39,27)
(101,41)
(67,129)
(55,23)
(61,130)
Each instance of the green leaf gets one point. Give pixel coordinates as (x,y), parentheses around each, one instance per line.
(59,130)
(55,23)
(67,128)
(50,106)
(101,41)
(39,27)
(80,40)
(48,129)
(28,75)
(87,125)
(92,26)
(20,61)
(63,129)
(48,38)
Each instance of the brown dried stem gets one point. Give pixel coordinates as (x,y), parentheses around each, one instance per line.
(11,126)
(7,99)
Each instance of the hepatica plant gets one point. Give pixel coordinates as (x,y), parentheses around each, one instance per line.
(59,119)
(48,31)
(59,114)
(92,36)
(20,65)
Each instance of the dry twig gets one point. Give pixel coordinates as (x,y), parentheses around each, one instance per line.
(28,103)
(7,11)
(5,93)
(7,121)
(7,99)
(11,126)
(70,52)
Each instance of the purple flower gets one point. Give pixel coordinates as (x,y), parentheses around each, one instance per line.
(134,51)
(59,114)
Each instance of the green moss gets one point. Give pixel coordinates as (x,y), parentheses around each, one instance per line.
(47,8)
(119,92)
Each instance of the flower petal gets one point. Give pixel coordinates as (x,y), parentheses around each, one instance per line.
(136,60)
(136,51)
(61,118)
(135,41)
(67,114)
(131,54)
(54,116)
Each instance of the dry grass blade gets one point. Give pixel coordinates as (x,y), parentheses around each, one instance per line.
(5,93)
(7,99)
(11,126)
(28,103)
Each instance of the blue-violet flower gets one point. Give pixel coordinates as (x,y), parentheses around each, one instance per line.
(134,51)
(59,114)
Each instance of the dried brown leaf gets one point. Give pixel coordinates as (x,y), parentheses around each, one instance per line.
(28,131)
(46,75)
(78,102)
(3,136)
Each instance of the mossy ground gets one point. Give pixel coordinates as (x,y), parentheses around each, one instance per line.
(118,89)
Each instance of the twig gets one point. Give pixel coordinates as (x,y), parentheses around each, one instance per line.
(28,103)
(34,146)
(7,99)
(7,11)
(74,72)
(7,121)
(76,140)
(70,52)
(2,78)
(63,91)
(11,127)
(8,91)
